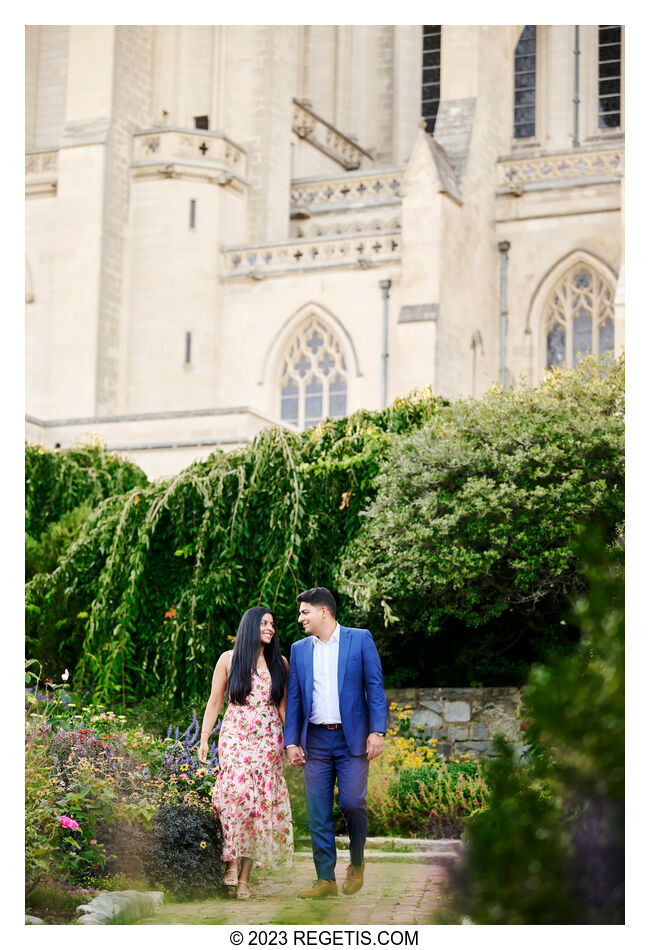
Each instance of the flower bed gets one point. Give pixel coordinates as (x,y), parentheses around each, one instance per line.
(412,791)
(102,799)
(107,802)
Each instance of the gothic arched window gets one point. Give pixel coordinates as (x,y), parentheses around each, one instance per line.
(525,83)
(579,317)
(313,376)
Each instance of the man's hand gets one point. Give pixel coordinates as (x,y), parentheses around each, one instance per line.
(296,755)
(374,745)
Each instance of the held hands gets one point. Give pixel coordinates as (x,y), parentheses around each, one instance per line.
(374,746)
(296,755)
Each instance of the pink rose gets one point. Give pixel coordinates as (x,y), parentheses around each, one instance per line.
(93,840)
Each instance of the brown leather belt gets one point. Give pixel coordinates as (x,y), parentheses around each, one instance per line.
(327,725)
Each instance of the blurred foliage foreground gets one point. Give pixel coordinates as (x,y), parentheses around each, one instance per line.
(549,848)
(448,529)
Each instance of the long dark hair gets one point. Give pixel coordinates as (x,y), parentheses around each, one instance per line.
(244,659)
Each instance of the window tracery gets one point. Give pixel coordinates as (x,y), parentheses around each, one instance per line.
(313,376)
(579,317)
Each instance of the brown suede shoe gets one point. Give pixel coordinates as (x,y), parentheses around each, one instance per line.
(321,889)
(353,879)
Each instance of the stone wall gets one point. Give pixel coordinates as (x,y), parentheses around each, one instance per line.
(463,720)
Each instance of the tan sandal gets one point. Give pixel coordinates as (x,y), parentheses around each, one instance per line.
(243,894)
(230,878)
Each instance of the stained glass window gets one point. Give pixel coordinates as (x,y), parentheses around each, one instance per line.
(525,83)
(431,36)
(579,317)
(313,380)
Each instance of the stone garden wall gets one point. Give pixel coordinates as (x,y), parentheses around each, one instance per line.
(463,720)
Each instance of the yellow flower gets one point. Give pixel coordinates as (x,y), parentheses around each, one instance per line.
(203,844)
(184,768)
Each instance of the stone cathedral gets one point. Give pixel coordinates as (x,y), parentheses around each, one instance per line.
(230,227)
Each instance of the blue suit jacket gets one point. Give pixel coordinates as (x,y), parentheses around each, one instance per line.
(362,700)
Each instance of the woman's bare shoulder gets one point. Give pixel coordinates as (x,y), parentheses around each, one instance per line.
(224,660)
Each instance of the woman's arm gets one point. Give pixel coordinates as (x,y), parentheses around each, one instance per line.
(215,702)
(282,708)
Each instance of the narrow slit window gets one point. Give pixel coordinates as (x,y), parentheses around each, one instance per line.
(188,348)
(525,83)
(609,77)
(192,213)
(431,37)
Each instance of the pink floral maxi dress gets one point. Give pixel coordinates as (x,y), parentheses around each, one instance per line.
(250,795)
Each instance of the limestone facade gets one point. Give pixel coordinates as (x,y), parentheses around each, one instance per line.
(211,211)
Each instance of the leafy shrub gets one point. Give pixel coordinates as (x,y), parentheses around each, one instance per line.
(549,849)
(58,482)
(462,564)
(414,793)
(183,852)
(44,555)
(465,558)
(93,788)
(164,573)
(56,895)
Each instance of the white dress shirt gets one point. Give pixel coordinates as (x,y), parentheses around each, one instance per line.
(325,698)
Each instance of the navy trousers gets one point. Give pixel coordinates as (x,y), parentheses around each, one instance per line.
(328,759)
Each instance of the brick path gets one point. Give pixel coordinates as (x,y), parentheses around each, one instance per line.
(398,890)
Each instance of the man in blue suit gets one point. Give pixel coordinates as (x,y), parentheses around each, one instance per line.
(335,725)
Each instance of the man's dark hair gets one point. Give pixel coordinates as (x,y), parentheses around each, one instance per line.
(318,597)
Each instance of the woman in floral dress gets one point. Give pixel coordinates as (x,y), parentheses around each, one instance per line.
(250,795)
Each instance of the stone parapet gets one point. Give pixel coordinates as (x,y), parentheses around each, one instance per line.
(464,720)
(323,136)
(191,153)
(558,168)
(346,250)
(343,192)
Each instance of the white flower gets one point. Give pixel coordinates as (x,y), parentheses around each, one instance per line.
(65,676)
